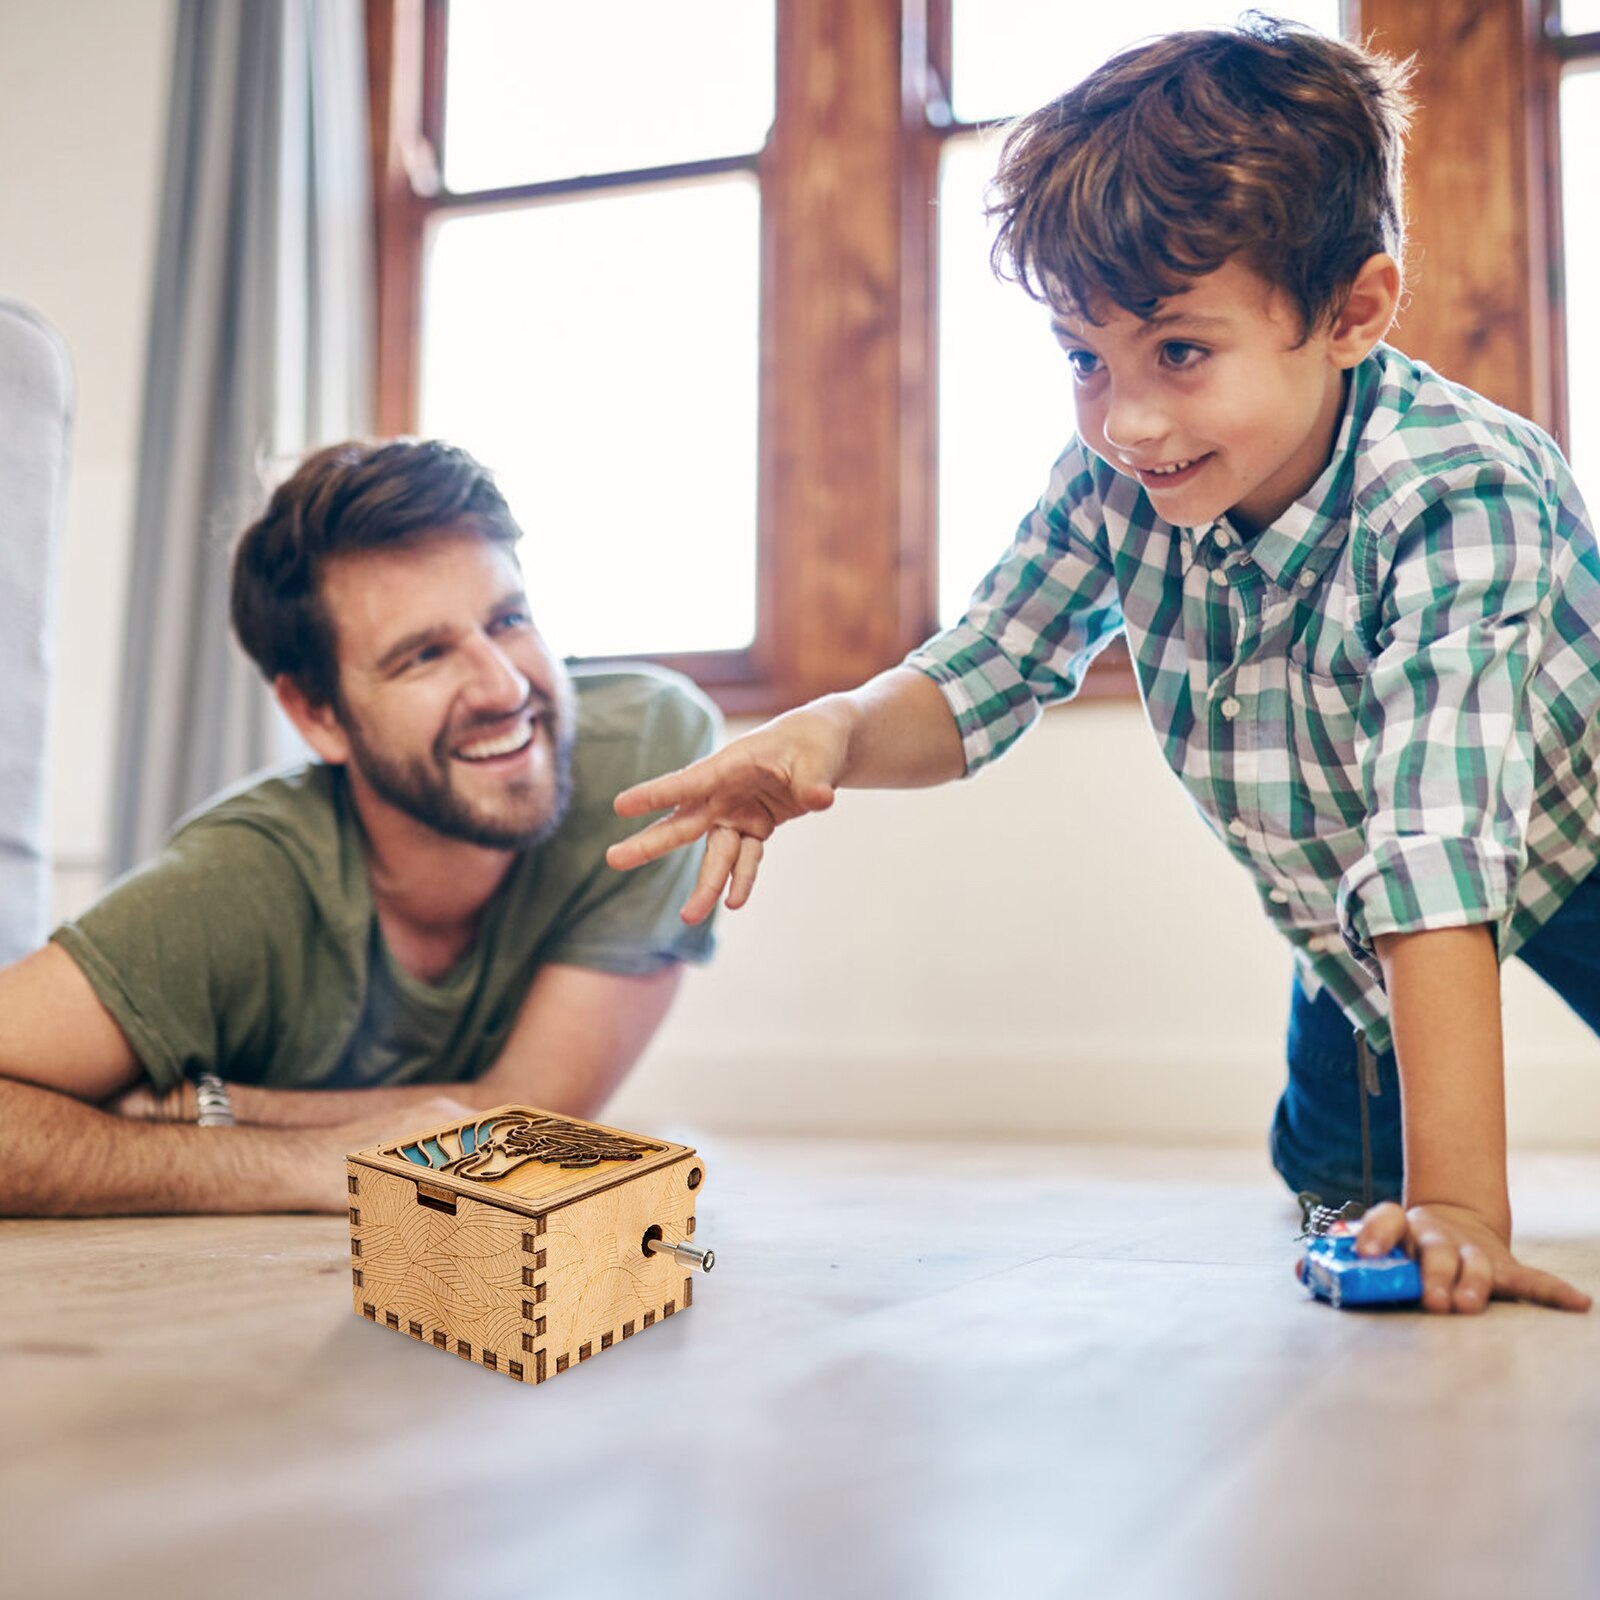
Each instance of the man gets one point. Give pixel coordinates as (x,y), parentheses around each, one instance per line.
(312,956)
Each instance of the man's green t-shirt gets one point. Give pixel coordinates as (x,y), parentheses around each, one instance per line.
(250,947)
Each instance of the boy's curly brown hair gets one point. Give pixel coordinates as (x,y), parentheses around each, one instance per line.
(1268,141)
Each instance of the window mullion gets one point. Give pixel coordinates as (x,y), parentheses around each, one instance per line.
(1476,304)
(838,602)
(395,75)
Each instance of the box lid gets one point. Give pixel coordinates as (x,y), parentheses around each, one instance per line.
(523,1158)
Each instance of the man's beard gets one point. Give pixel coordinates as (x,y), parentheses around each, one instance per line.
(423,790)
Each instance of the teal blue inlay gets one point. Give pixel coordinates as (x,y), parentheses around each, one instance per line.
(436,1156)
(469,1138)
(411,1153)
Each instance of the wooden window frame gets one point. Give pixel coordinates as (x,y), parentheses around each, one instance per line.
(1484,297)
(847,516)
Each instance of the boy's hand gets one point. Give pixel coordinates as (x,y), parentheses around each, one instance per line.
(1464,1260)
(735,799)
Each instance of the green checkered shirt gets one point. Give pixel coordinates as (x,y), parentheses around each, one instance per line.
(1384,704)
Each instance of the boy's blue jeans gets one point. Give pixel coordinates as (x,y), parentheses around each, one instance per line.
(1316,1133)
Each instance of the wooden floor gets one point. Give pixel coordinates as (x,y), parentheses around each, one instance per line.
(923,1371)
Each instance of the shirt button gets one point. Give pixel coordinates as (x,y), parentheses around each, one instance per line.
(1229,708)
(1219,577)
(1237,829)
(1223,538)
(1306,579)
(1278,897)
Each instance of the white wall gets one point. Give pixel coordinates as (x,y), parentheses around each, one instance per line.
(1056,947)
(83,90)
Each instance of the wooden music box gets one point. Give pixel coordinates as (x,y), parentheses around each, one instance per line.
(524,1240)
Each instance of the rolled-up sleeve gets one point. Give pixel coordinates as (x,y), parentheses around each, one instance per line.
(1444,739)
(1035,622)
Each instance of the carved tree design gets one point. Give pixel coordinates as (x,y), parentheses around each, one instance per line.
(498,1145)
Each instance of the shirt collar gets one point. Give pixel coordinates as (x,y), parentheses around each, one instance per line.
(1307,536)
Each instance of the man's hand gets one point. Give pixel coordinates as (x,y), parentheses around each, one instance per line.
(1464,1260)
(321,1169)
(141,1103)
(318,1150)
(735,799)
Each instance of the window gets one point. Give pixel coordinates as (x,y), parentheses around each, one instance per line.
(671,272)
(601,353)
(571,263)
(590,303)
(719,185)
(1577,44)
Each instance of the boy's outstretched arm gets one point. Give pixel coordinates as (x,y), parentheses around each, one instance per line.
(1444,997)
(894,732)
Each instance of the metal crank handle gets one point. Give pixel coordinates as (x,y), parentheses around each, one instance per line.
(685,1254)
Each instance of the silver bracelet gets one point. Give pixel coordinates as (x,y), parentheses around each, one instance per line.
(216,1106)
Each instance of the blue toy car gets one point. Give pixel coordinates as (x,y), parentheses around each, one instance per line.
(1333,1271)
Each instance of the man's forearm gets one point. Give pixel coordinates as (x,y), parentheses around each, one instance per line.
(62,1158)
(1444,994)
(321,1108)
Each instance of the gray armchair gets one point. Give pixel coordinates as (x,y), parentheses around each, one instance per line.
(35,421)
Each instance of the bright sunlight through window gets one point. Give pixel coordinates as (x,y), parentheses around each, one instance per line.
(599,348)
(1580,180)
(600,354)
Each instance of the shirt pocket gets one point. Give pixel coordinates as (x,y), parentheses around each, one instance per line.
(1323,713)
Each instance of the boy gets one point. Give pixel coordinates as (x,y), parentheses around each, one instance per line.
(1363,605)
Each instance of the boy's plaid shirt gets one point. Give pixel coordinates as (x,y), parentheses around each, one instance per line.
(1384,704)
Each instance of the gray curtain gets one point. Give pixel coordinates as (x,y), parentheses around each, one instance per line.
(260,348)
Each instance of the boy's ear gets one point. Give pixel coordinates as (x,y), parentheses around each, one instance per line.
(1368,311)
(318,725)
